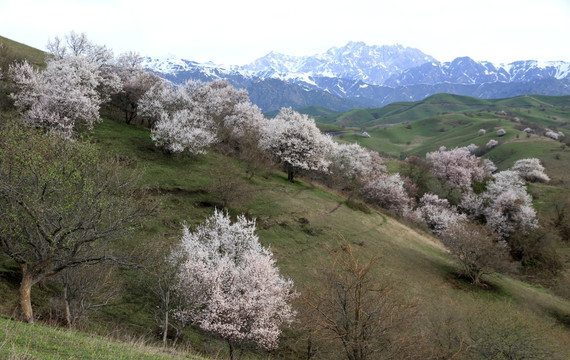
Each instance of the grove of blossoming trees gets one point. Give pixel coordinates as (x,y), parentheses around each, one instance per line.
(192,117)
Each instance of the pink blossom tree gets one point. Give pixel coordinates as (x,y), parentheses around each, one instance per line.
(352,165)
(388,191)
(457,166)
(230,285)
(294,140)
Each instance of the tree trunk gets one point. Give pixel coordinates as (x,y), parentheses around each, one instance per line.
(67,307)
(231,345)
(26,314)
(290,174)
(165,328)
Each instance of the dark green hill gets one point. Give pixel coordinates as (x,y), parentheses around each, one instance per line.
(439,104)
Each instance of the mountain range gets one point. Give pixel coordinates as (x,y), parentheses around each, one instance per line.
(360,75)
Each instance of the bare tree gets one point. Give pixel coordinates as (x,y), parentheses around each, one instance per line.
(352,307)
(85,289)
(61,204)
(475,249)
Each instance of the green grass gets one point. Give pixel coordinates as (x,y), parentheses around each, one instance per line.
(18,51)
(34,341)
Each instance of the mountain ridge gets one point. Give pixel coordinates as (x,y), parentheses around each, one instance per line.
(360,75)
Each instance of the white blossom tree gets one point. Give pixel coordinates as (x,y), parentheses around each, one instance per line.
(551,134)
(508,205)
(192,117)
(61,99)
(230,285)
(78,45)
(437,213)
(457,166)
(491,144)
(66,96)
(531,170)
(490,166)
(294,140)
(351,166)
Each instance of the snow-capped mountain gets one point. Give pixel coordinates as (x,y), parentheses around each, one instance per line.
(359,75)
(464,70)
(355,61)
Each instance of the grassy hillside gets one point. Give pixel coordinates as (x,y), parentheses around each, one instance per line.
(301,223)
(15,51)
(298,221)
(451,121)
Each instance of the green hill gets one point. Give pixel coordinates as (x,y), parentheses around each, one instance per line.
(442,104)
(16,51)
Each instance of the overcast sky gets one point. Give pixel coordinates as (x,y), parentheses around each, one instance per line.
(236,32)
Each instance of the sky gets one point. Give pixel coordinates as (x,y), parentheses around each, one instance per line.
(236,32)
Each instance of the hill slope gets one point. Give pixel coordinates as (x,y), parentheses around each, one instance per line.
(301,222)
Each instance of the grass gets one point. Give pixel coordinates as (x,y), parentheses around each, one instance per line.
(17,51)
(34,341)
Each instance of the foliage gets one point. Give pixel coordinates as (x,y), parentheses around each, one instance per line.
(60,204)
(230,284)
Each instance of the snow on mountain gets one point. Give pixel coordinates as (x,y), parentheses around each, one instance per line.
(355,61)
(361,75)
(465,70)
